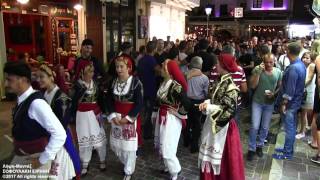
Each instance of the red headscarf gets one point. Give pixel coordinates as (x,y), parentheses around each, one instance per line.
(80,68)
(176,74)
(228,62)
(127,60)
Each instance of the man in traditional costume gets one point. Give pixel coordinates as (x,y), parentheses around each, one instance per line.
(87,106)
(171,116)
(37,132)
(125,101)
(67,162)
(220,154)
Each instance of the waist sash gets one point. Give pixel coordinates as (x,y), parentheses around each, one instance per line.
(23,148)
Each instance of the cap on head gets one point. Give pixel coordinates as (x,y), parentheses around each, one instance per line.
(18,68)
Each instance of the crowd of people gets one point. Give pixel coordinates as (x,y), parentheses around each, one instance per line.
(190,88)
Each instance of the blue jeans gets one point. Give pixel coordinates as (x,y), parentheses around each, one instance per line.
(260,121)
(290,125)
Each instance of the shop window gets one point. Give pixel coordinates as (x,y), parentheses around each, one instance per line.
(223,10)
(278,3)
(257,4)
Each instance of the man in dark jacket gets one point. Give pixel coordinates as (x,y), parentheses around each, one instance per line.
(86,51)
(209,60)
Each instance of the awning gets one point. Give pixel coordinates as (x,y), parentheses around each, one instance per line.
(182,4)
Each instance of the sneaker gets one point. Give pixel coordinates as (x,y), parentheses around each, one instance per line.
(300,135)
(84,172)
(250,155)
(282,156)
(127,177)
(278,150)
(139,152)
(259,152)
(164,171)
(316,159)
(174,177)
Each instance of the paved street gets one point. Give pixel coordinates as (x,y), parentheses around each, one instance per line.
(148,166)
(300,167)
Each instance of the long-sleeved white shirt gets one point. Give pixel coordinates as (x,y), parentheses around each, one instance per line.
(40,111)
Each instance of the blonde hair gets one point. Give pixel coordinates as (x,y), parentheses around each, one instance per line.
(51,74)
(86,69)
(315,47)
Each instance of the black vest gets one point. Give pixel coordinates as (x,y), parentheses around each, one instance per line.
(24,128)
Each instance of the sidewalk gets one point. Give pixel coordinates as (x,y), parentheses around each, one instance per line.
(300,167)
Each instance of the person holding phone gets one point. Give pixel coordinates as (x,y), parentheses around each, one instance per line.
(265,80)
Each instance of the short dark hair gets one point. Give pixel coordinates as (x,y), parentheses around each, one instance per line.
(142,49)
(18,68)
(203,44)
(173,53)
(151,46)
(87,42)
(294,48)
(263,50)
(125,45)
(182,45)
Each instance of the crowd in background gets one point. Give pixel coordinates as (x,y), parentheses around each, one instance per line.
(270,76)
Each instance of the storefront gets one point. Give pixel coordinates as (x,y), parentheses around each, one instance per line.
(167,18)
(301,30)
(40,30)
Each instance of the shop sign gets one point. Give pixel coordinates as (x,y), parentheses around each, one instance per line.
(57,11)
(238,12)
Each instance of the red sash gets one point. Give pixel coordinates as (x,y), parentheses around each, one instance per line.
(85,106)
(123,108)
(30,147)
(128,130)
(163,115)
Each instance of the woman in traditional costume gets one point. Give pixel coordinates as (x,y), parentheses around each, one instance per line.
(124,102)
(87,106)
(171,116)
(67,162)
(220,154)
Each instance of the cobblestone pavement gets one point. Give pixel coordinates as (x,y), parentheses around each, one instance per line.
(300,167)
(149,165)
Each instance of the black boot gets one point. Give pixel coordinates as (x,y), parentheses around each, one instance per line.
(250,155)
(259,152)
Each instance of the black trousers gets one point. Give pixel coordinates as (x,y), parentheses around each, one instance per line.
(192,131)
(147,112)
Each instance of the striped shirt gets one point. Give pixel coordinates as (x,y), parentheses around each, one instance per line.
(237,77)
